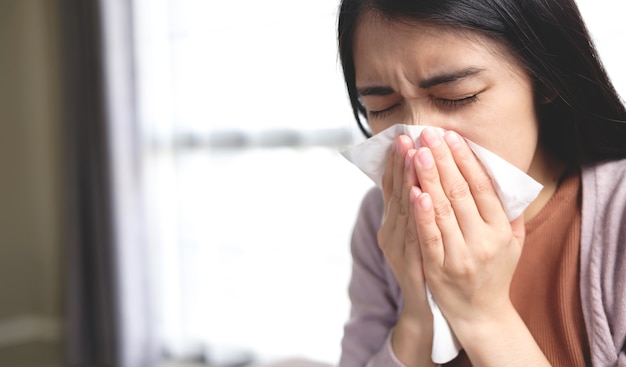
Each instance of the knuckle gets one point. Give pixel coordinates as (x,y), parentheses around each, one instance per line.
(398,206)
(431,241)
(483,185)
(443,210)
(396,196)
(499,233)
(462,268)
(459,190)
(411,236)
(484,255)
(403,211)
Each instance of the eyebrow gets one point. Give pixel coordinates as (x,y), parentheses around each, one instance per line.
(449,77)
(375,91)
(444,78)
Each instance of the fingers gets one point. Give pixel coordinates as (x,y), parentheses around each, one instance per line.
(398,178)
(469,250)
(480,184)
(409,180)
(442,188)
(393,178)
(428,234)
(402,145)
(437,213)
(411,244)
(453,205)
(388,175)
(457,197)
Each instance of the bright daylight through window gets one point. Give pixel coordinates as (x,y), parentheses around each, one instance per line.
(243,111)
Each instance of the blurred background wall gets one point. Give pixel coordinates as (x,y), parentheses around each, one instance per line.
(30,185)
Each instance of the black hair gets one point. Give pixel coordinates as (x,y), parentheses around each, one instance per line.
(581,116)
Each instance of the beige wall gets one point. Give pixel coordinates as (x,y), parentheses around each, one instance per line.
(30,184)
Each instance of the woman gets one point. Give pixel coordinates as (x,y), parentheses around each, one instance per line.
(522,79)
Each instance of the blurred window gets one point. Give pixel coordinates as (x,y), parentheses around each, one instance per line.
(242,113)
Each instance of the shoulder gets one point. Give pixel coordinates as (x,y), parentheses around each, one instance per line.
(604,193)
(604,187)
(364,244)
(604,177)
(371,209)
(603,245)
(602,231)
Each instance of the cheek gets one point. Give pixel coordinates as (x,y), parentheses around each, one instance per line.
(377,127)
(521,149)
(511,133)
(380,124)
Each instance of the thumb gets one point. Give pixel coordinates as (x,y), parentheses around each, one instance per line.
(519,229)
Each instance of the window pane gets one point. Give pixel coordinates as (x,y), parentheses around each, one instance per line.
(251,245)
(254,65)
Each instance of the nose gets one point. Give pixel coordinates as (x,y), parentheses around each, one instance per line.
(421,112)
(414,114)
(415,118)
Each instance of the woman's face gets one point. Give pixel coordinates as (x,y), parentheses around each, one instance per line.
(427,75)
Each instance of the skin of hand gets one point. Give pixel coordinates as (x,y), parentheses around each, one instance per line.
(469,251)
(413,333)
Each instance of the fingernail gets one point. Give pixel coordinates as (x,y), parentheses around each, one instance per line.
(425,202)
(425,158)
(453,139)
(415,193)
(431,137)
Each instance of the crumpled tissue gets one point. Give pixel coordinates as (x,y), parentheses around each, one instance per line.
(515,189)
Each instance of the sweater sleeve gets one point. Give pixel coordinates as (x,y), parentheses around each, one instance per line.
(603,269)
(373,292)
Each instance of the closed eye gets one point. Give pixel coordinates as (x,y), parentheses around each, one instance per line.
(452,104)
(384,112)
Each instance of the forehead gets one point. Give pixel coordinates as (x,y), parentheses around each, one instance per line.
(424,47)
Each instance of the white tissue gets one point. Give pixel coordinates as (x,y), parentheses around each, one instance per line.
(515,189)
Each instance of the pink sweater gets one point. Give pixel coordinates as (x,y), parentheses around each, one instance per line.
(376,296)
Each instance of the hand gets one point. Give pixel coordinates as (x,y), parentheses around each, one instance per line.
(469,248)
(412,338)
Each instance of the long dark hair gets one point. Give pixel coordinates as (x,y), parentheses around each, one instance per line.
(584,120)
